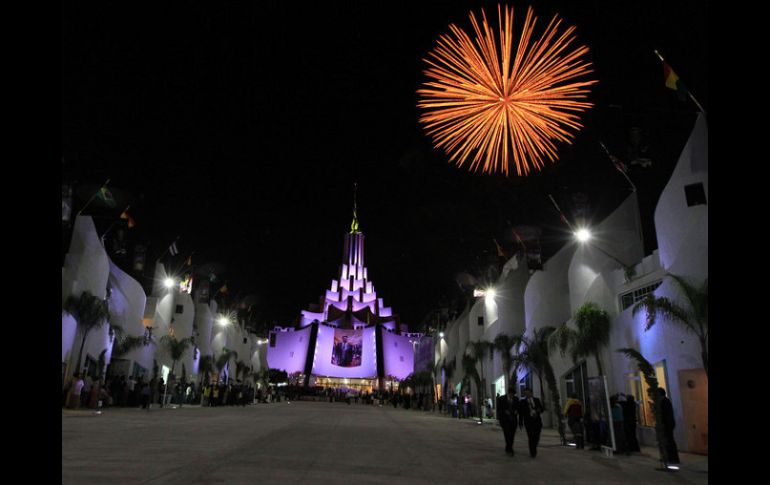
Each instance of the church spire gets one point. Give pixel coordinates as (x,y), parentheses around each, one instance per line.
(354,224)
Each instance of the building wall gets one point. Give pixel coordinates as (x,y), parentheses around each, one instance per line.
(127,305)
(86,268)
(290,351)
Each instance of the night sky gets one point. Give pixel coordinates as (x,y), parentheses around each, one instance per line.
(241,129)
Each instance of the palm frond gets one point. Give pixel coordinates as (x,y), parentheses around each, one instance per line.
(562,338)
(665,308)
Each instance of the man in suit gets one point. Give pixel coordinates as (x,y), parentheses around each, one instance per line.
(507,408)
(530,409)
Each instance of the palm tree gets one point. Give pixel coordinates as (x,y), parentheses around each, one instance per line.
(648,371)
(471,372)
(224,359)
(90,313)
(593,333)
(536,357)
(205,365)
(694,316)
(507,346)
(175,348)
(479,351)
(449,372)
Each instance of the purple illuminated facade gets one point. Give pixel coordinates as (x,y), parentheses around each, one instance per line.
(350,303)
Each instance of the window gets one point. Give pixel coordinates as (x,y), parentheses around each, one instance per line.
(629,298)
(481,321)
(272,340)
(576,382)
(179,308)
(695,194)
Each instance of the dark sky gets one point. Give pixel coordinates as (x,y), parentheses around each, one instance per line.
(241,129)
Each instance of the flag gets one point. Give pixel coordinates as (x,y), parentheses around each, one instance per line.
(106,196)
(500,251)
(223,290)
(673,81)
(131,221)
(618,163)
(173,249)
(189,261)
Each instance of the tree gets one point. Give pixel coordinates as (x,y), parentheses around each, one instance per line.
(224,359)
(205,365)
(175,348)
(648,371)
(507,346)
(479,351)
(592,333)
(694,316)
(241,369)
(472,373)
(537,358)
(449,372)
(90,313)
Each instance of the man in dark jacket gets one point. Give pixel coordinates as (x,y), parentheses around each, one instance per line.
(507,408)
(667,410)
(530,409)
(629,422)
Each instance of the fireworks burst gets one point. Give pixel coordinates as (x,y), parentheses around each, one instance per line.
(515,104)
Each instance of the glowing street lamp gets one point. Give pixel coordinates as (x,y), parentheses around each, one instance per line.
(441,334)
(583,234)
(169,283)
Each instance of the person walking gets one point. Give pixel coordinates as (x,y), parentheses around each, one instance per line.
(573,410)
(145,394)
(507,410)
(530,409)
(667,410)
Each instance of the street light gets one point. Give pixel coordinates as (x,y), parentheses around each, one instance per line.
(441,334)
(583,235)
(169,283)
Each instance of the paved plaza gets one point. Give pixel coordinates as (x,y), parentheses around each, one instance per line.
(321,442)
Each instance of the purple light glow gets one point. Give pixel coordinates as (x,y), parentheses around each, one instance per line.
(399,355)
(289,353)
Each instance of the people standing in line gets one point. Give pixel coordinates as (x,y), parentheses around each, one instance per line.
(667,411)
(507,410)
(573,410)
(529,417)
(617,424)
(629,422)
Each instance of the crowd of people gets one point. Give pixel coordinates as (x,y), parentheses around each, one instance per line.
(85,391)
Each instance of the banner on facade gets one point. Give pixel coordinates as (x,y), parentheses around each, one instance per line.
(348,346)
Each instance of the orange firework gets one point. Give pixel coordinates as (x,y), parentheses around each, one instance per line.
(486,107)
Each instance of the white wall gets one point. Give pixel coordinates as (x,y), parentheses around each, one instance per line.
(86,268)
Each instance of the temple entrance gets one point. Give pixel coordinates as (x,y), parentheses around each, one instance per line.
(356,385)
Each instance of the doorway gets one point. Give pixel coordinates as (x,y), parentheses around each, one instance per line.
(694,385)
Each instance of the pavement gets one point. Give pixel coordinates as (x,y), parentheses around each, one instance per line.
(320,442)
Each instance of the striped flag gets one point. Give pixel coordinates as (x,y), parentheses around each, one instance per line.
(173,250)
(673,82)
(125,215)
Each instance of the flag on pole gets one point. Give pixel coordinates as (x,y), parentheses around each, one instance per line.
(673,82)
(223,290)
(127,216)
(189,261)
(173,250)
(106,196)
(500,251)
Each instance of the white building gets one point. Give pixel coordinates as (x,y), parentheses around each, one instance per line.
(593,272)
(87,267)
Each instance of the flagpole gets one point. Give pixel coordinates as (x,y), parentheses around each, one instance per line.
(633,187)
(92,197)
(563,217)
(688,91)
